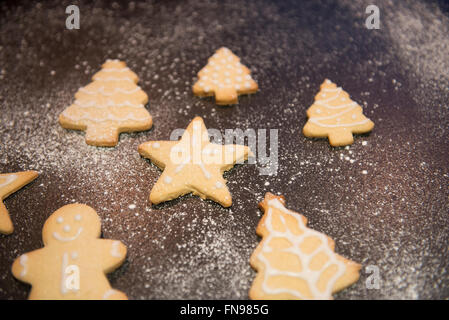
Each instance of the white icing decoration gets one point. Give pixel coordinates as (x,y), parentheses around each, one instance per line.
(311,277)
(109,117)
(219,185)
(156,145)
(75,255)
(109,104)
(10,178)
(78,217)
(168,180)
(115,69)
(116,90)
(114,250)
(57,236)
(332,90)
(324,102)
(67,228)
(228,74)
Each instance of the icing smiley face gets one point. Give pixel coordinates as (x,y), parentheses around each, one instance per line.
(71,223)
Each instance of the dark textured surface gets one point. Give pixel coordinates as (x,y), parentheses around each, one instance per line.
(393,215)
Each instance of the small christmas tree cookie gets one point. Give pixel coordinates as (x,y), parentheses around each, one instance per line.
(294,261)
(73,262)
(225,77)
(10,183)
(111,104)
(335,115)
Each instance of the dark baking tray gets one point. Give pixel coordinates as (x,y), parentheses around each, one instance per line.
(394,217)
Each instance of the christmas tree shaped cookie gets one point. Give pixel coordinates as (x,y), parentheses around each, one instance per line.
(111,104)
(293,261)
(73,262)
(225,77)
(10,183)
(193,165)
(335,115)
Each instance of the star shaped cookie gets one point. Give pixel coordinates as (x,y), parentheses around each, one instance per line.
(10,183)
(193,165)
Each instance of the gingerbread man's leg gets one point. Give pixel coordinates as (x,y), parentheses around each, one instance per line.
(102,135)
(113,294)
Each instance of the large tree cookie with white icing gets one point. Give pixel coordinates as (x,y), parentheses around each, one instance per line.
(294,261)
(335,115)
(111,104)
(73,262)
(225,77)
(10,183)
(193,165)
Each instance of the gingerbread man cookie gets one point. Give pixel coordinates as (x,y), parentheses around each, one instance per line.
(111,104)
(294,261)
(225,77)
(73,262)
(10,183)
(193,164)
(335,115)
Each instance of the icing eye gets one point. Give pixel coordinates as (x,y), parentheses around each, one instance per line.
(67,228)
(59,220)
(78,217)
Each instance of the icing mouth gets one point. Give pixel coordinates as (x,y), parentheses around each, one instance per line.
(57,236)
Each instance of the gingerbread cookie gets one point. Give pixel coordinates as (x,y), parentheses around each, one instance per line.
(335,115)
(225,77)
(293,261)
(10,183)
(109,105)
(193,164)
(73,262)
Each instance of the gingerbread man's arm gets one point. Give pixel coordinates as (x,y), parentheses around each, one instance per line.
(27,267)
(112,253)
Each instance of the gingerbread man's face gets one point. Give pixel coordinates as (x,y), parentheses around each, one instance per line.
(71,223)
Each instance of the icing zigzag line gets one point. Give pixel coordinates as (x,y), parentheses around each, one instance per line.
(116,90)
(109,117)
(92,104)
(310,276)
